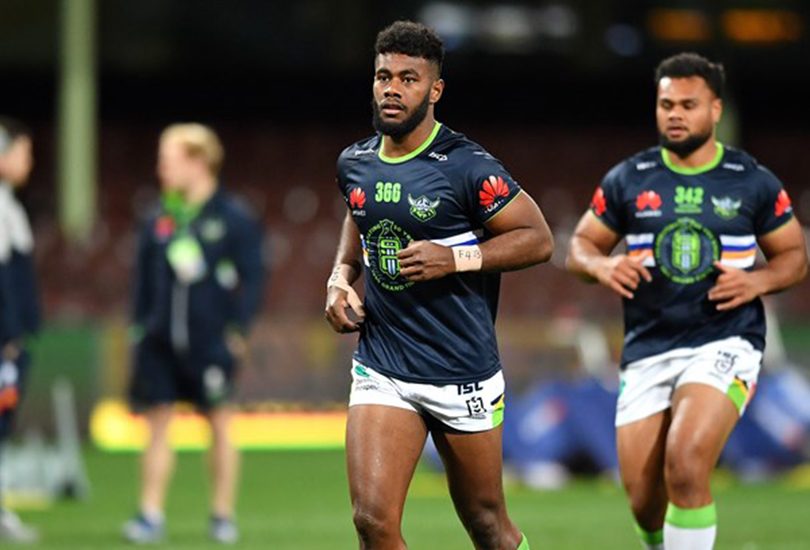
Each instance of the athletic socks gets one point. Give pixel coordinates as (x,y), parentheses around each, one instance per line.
(651,540)
(690,528)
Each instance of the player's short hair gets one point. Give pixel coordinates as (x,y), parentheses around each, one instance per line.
(412,39)
(687,64)
(199,141)
(10,130)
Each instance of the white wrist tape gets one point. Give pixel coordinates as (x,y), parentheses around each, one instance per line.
(337,280)
(467,258)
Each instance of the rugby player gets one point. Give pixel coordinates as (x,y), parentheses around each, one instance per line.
(19,298)
(432,219)
(692,212)
(197,287)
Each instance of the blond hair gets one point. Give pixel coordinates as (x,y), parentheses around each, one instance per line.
(199,141)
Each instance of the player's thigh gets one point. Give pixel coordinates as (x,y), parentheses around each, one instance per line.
(383,446)
(702,419)
(641,447)
(474,465)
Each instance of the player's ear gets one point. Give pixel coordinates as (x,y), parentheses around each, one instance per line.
(717,109)
(436,90)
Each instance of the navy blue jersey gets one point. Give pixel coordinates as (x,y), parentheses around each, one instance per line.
(439,331)
(195,280)
(679,222)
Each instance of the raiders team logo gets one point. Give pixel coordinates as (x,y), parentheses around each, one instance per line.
(423,208)
(726,207)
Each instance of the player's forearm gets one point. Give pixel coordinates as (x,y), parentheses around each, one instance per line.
(347,258)
(584,259)
(782,271)
(516,249)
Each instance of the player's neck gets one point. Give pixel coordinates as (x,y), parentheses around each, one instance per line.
(405,145)
(700,157)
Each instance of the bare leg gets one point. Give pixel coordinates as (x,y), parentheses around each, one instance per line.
(383,445)
(641,446)
(474,464)
(702,420)
(224,463)
(157,463)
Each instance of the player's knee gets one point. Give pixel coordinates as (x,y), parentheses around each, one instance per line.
(686,471)
(372,523)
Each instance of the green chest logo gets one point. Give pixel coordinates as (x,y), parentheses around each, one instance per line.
(726,207)
(384,241)
(688,200)
(686,250)
(423,208)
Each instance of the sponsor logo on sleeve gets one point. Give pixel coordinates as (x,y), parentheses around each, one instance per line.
(598,202)
(357,200)
(783,204)
(492,193)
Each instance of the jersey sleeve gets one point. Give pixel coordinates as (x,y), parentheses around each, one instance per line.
(488,187)
(606,203)
(774,208)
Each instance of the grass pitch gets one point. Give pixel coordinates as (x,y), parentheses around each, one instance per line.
(298,500)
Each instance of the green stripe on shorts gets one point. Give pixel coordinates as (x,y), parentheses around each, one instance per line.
(738,393)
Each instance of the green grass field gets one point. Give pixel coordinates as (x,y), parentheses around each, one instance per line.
(298,500)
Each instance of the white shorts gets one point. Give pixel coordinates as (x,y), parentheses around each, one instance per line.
(471,407)
(646,386)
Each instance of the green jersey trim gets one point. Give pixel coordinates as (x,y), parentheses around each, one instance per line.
(693,171)
(405,158)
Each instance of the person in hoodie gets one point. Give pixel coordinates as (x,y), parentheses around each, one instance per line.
(197,287)
(19,302)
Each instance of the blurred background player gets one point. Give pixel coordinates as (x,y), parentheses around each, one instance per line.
(435,219)
(198,286)
(692,212)
(19,301)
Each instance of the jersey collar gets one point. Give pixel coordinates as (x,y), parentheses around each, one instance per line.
(404,158)
(693,171)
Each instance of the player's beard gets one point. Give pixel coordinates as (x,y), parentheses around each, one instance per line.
(397,130)
(685,147)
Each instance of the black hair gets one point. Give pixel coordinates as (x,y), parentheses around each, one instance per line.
(412,39)
(687,64)
(10,130)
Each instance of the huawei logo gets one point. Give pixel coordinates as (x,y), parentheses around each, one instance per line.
(492,189)
(357,198)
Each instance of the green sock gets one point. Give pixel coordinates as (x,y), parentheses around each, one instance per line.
(692,518)
(524,544)
(651,539)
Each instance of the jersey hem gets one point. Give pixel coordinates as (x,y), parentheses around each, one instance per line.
(436,381)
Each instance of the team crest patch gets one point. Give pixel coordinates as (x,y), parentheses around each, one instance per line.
(212,230)
(423,208)
(383,242)
(686,251)
(726,207)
